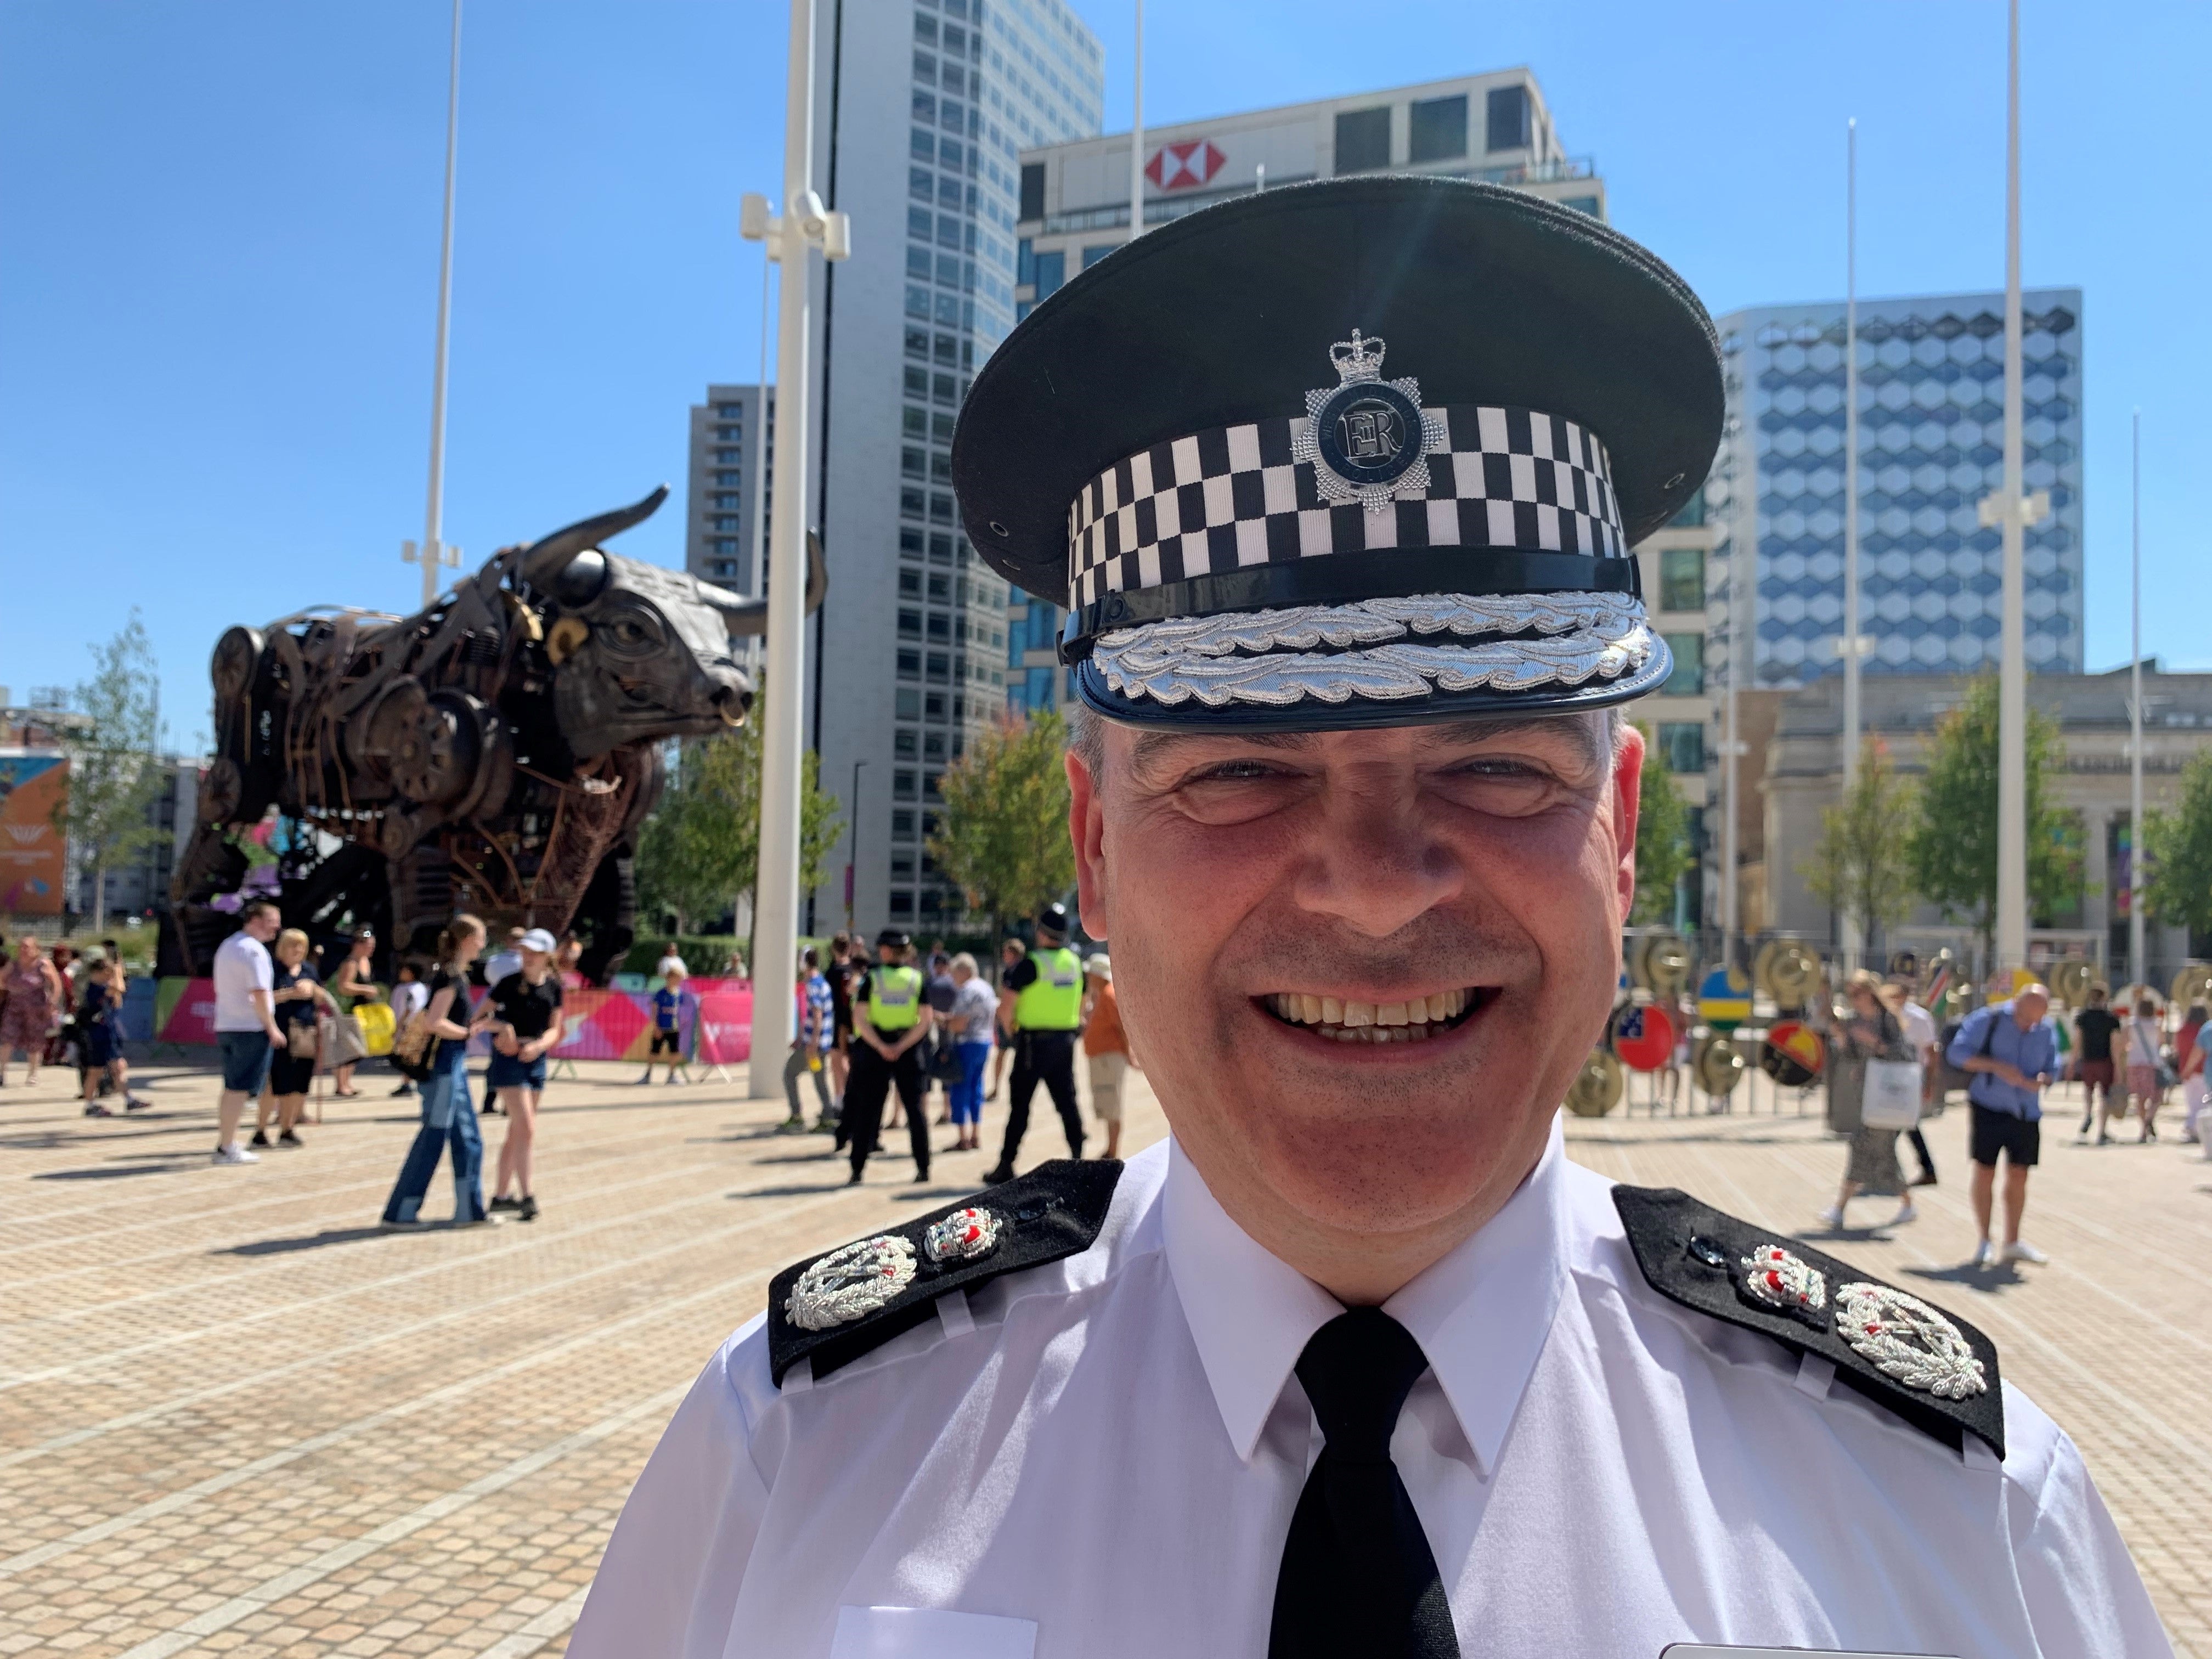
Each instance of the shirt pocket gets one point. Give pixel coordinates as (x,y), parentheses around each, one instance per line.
(930,1633)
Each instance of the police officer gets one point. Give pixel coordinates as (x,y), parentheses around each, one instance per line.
(1041,1003)
(1357,1362)
(892,1021)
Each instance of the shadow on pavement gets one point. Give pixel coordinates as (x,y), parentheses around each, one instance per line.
(306,1242)
(1987,1279)
(112,1172)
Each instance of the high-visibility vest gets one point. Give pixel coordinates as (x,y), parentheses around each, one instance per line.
(1053,1002)
(894,997)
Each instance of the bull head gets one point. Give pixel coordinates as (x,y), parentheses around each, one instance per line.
(641,652)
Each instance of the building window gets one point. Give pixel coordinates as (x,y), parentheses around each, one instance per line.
(1506,118)
(917,301)
(1692,515)
(902,904)
(1097,251)
(1051,272)
(902,866)
(1683,744)
(1363,140)
(1436,128)
(940,586)
(929,789)
(933,746)
(1689,680)
(944,389)
(1682,578)
(909,623)
(940,667)
(909,704)
(902,823)
(909,584)
(940,508)
(921,183)
(939,626)
(917,343)
(940,428)
(903,785)
(916,421)
(1583,205)
(905,745)
(910,664)
(911,503)
(917,261)
(913,463)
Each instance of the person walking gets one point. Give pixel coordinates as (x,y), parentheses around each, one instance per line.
(2094,1028)
(810,1049)
(100,1035)
(973,1016)
(894,1022)
(940,1066)
(449,1119)
(1010,957)
(525,1026)
(2144,1032)
(246,1028)
(298,996)
(1105,1047)
(353,985)
(63,959)
(408,998)
(34,992)
(839,975)
(1042,1001)
(2186,1042)
(1920,1034)
(2012,1051)
(1868,1032)
(668,1026)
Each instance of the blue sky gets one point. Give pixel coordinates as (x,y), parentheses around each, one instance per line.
(219,225)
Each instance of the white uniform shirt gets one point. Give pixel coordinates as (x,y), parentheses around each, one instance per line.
(241,968)
(1099,1458)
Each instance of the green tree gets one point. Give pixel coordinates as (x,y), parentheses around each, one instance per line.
(1662,837)
(1003,837)
(1860,868)
(115,769)
(1952,846)
(700,850)
(2178,853)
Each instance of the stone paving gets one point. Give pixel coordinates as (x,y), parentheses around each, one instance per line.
(234,1418)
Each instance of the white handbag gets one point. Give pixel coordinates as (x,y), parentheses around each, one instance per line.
(1891,1097)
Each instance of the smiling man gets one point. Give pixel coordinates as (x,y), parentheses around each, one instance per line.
(1356,1364)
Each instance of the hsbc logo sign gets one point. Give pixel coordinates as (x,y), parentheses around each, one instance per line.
(1186,165)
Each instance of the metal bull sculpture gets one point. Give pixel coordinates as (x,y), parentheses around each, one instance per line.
(495,752)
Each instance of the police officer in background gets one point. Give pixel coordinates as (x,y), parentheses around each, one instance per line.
(890,1022)
(1358,1363)
(1041,1003)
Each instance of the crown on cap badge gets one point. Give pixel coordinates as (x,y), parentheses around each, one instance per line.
(1368,439)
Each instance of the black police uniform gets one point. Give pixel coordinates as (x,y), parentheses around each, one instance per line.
(1042,1053)
(872,1077)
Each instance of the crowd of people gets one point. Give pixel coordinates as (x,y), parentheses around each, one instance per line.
(60,1007)
(879,1034)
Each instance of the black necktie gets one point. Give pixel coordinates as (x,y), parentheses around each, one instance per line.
(1358,1580)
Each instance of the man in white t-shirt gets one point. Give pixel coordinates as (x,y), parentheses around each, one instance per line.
(670,963)
(508,960)
(246,1028)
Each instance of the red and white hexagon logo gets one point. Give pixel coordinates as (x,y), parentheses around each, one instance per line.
(1184,165)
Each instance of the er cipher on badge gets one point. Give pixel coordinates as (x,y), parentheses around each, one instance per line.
(964,1235)
(1368,440)
(850,1283)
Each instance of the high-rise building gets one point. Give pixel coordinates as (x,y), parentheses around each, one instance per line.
(1931,437)
(1075,209)
(923,109)
(718,527)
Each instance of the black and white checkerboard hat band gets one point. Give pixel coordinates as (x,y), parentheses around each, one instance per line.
(1236,499)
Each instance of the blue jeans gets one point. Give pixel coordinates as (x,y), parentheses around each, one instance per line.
(967,1091)
(448,1118)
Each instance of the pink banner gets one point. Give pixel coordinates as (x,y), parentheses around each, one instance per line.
(192,1017)
(726,1026)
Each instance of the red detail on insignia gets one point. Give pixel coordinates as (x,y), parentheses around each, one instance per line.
(1184,165)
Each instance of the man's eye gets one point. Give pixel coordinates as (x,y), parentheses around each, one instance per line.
(1236,771)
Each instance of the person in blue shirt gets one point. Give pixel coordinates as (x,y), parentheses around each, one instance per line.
(810,1049)
(2012,1049)
(668,1026)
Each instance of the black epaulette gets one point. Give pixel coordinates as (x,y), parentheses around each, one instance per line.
(1929,1367)
(841,1305)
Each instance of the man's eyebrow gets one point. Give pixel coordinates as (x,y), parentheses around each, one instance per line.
(1575,729)
(1151,747)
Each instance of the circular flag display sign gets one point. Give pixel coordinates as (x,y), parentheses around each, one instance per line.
(1644,1037)
(1792,1054)
(1723,1000)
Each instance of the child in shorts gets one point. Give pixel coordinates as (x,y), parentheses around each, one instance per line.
(668,1026)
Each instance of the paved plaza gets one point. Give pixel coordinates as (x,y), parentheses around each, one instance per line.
(235,1419)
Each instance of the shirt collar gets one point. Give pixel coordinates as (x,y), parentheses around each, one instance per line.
(1481,1313)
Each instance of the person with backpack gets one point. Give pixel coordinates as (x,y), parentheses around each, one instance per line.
(436,1044)
(2012,1051)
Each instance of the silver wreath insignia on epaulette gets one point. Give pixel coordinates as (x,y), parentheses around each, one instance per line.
(1907,1339)
(850,1283)
(963,1236)
(1367,438)
(1787,1283)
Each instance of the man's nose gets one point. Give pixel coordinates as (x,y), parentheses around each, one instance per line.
(1376,862)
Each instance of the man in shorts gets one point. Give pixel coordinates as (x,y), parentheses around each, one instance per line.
(2012,1049)
(1105,1047)
(246,1029)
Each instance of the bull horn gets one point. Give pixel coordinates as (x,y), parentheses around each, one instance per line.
(750,616)
(545,559)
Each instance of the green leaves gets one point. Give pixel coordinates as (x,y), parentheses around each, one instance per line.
(1861,865)
(1004,837)
(1662,837)
(115,771)
(2178,845)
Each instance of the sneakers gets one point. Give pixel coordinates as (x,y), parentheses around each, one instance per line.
(792,1126)
(1832,1217)
(528,1210)
(289,1138)
(260,1137)
(233,1153)
(1986,1254)
(1906,1212)
(504,1204)
(648,1077)
(93,1108)
(133,1103)
(2021,1251)
(403,1090)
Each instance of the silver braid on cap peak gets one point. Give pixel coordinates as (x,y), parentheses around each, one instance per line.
(1223,659)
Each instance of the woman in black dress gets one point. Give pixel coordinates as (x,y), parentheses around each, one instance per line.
(298,995)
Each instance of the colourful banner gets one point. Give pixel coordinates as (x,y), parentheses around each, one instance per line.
(184,1011)
(32,787)
(726,1024)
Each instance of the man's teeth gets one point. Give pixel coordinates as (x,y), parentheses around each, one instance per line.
(1412,1021)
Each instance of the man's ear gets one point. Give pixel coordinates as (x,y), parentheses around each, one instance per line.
(1086,828)
(1627,802)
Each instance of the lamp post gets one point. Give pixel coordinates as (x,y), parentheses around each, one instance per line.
(434,555)
(1137,131)
(853,865)
(2138,963)
(803,224)
(1851,645)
